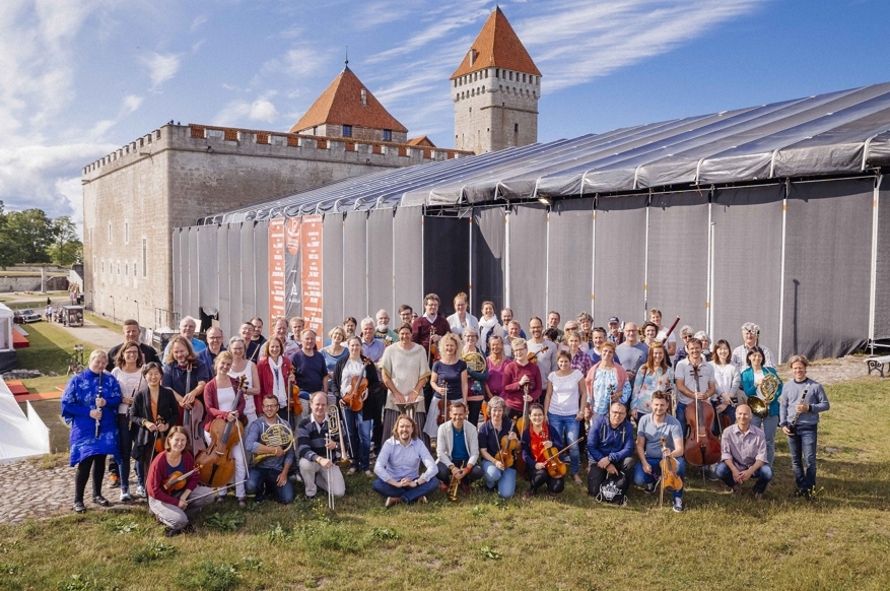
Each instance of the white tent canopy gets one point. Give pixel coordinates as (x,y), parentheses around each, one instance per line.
(21,435)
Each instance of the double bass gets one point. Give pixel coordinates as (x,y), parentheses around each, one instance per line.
(702,446)
(216,464)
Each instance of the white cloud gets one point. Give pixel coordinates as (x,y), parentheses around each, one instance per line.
(236,112)
(131,103)
(161,67)
(198,22)
(299,62)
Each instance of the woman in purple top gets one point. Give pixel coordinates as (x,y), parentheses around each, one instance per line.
(497,363)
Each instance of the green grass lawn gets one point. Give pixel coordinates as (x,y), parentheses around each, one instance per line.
(49,350)
(103,321)
(837,541)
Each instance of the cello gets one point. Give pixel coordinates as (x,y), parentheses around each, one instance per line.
(216,464)
(702,447)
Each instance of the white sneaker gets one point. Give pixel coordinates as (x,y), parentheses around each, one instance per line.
(678,505)
(140,491)
(125,497)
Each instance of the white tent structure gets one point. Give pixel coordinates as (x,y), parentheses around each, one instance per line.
(6,322)
(21,435)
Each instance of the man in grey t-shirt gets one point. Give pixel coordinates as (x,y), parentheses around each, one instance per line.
(659,434)
(632,352)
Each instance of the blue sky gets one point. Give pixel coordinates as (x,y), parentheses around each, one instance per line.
(79,78)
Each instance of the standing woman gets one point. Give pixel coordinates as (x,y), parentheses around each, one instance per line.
(93,426)
(654,375)
(449,380)
(334,352)
(461,319)
(154,413)
(491,441)
(474,358)
(585,330)
(274,370)
(564,407)
(242,366)
(580,360)
(405,371)
(489,326)
(223,402)
(172,510)
(496,362)
(753,386)
(347,376)
(128,373)
(183,372)
(728,380)
(535,440)
(607,382)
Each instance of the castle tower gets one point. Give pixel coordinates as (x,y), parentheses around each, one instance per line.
(495,91)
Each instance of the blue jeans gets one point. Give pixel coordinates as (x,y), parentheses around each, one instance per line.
(568,427)
(408,495)
(504,479)
(802,446)
(763,475)
(264,481)
(769,426)
(358,438)
(681,416)
(642,479)
(126,434)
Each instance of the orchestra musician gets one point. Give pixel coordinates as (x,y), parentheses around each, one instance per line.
(93,426)
(310,367)
(274,370)
(405,370)
(607,381)
(651,430)
(313,447)
(476,380)
(172,507)
(351,370)
(457,447)
(489,326)
(564,407)
(522,380)
(654,375)
(743,454)
(397,465)
(495,363)
(426,331)
(448,379)
(183,372)
(693,378)
(128,373)
(222,401)
(803,399)
(154,411)
(268,477)
(610,448)
(753,382)
(491,435)
(242,366)
(727,380)
(461,319)
(535,440)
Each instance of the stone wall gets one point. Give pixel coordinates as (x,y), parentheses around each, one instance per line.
(135,196)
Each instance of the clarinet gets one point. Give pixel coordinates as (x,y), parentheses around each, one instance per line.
(99,397)
(792,426)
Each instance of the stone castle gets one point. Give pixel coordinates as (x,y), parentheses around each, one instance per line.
(135,196)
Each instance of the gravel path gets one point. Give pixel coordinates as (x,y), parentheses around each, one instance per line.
(29,491)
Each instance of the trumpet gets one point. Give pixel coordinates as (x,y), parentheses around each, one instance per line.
(335,429)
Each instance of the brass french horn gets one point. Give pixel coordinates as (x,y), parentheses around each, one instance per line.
(766,393)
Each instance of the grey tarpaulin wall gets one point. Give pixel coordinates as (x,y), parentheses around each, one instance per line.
(827,267)
(677,269)
(192,302)
(570,242)
(488,255)
(380,257)
(180,269)
(355,254)
(209,270)
(446,267)
(233,266)
(261,250)
(527,257)
(620,266)
(747,262)
(882,288)
(332,270)
(407,259)
(222,257)
(249,263)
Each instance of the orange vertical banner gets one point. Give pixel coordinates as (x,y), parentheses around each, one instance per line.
(311,273)
(277,271)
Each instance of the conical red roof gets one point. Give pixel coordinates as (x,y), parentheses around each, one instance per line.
(497,46)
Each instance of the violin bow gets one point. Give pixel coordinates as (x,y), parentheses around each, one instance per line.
(563,450)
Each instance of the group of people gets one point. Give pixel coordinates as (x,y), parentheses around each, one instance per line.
(436,403)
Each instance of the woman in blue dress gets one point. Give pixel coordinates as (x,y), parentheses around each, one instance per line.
(89,406)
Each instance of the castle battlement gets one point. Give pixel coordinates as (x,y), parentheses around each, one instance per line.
(252,142)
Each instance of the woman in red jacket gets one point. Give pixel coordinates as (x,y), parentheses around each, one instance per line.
(171,503)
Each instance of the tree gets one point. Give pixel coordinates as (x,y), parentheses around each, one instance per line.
(7,250)
(28,235)
(66,249)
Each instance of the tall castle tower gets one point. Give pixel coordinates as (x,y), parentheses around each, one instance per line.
(496,90)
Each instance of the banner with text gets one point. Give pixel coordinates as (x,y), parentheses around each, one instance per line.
(277,270)
(310,272)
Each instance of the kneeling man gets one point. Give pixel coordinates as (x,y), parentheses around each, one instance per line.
(744,454)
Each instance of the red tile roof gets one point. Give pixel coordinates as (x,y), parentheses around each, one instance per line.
(497,46)
(423,140)
(341,104)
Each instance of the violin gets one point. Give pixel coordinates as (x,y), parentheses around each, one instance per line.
(507,449)
(216,464)
(160,438)
(358,387)
(555,467)
(669,478)
(434,347)
(441,402)
(177,481)
(296,403)
(701,446)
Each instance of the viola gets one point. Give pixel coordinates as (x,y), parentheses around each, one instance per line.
(216,464)
(434,347)
(355,399)
(507,449)
(702,446)
(160,438)
(554,465)
(670,480)
(296,403)
(521,425)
